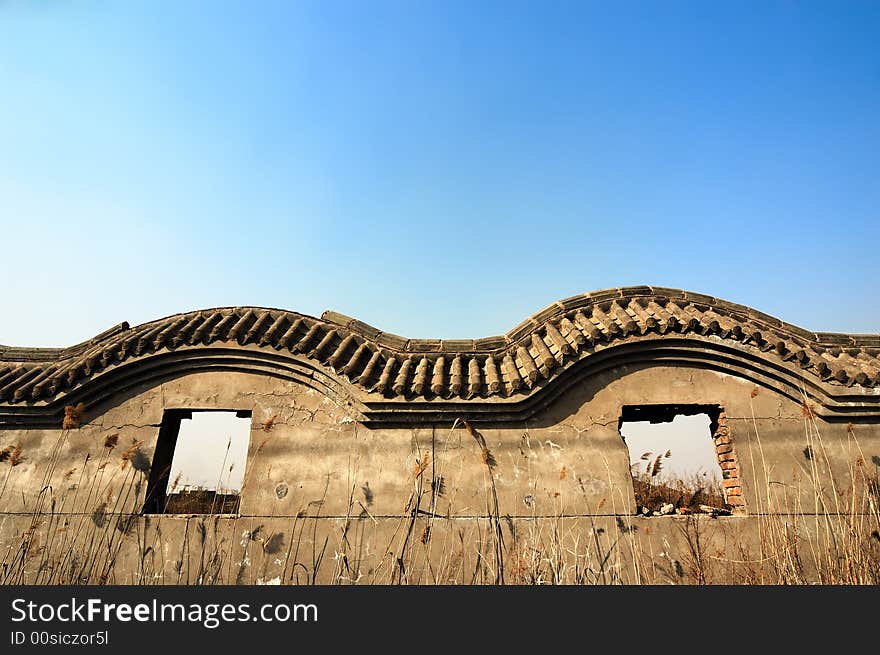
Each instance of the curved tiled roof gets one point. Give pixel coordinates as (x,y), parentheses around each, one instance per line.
(388,367)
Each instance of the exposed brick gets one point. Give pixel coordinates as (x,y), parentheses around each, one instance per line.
(729,467)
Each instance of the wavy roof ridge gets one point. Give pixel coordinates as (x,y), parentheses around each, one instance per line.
(394,366)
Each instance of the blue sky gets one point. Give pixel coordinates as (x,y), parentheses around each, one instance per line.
(437,170)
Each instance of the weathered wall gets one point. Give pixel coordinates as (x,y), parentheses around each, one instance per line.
(327,498)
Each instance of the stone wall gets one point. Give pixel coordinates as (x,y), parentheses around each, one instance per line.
(331,499)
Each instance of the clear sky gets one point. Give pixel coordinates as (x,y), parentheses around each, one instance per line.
(437,170)
(687,439)
(211,452)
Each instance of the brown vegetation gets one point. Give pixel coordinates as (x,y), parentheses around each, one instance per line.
(835,542)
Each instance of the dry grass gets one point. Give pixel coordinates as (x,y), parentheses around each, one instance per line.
(834,540)
(690,496)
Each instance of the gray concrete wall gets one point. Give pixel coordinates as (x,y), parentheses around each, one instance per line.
(557,506)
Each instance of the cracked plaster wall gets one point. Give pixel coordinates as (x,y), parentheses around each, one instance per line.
(315,460)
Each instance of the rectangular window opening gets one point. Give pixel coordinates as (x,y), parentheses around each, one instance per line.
(674,458)
(199,463)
